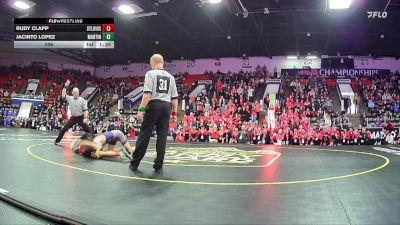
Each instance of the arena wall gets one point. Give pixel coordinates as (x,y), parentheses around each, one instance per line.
(24,57)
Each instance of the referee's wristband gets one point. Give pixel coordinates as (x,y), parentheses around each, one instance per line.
(141,108)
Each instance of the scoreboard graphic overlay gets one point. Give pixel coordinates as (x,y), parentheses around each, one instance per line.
(64,33)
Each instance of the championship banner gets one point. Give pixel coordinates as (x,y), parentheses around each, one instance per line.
(339,72)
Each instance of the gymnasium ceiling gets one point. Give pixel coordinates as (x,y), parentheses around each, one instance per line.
(188,29)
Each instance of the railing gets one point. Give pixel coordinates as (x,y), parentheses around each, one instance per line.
(28,97)
(378,121)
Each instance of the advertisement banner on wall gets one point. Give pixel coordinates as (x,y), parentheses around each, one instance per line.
(339,72)
(379,133)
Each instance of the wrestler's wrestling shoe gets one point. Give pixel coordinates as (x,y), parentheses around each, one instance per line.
(127,154)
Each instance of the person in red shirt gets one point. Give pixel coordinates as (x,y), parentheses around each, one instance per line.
(320,137)
(226,113)
(193,134)
(172,125)
(221,134)
(200,108)
(356,137)
(207,118)
(184,119)
(234,136)
(201,118)
(347,136)
(191,119)
(279,137)
(180,137)
(214,135)
(218,86)
(294,137)
(233,90)
(312,137)
(185,131)
(216,117)
(335,136)
(303,138)
(256,136)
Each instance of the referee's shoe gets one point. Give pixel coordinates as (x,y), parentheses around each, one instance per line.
(158,168)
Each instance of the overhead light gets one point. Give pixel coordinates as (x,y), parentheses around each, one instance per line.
(22,4)
(210,1)
(382,36)
(308,34)
(182,58)
(245,14)
(291,57)
(157,42)
(127,9)
(228,37)
(311,57)
(339,4)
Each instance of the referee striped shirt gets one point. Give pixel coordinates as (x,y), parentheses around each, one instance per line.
(161,85)
(76,106)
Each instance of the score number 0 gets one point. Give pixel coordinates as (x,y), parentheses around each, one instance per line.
(108,27)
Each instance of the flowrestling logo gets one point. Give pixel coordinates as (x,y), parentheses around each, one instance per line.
(377,14)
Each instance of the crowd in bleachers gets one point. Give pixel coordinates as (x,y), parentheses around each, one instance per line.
(381,95)
(51,114)
(307,117)
(230,108)
(224,111)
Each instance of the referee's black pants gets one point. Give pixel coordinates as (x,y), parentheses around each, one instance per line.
(71,122)
(157,114)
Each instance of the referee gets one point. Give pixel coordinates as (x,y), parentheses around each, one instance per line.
(79,111)
(159,94)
